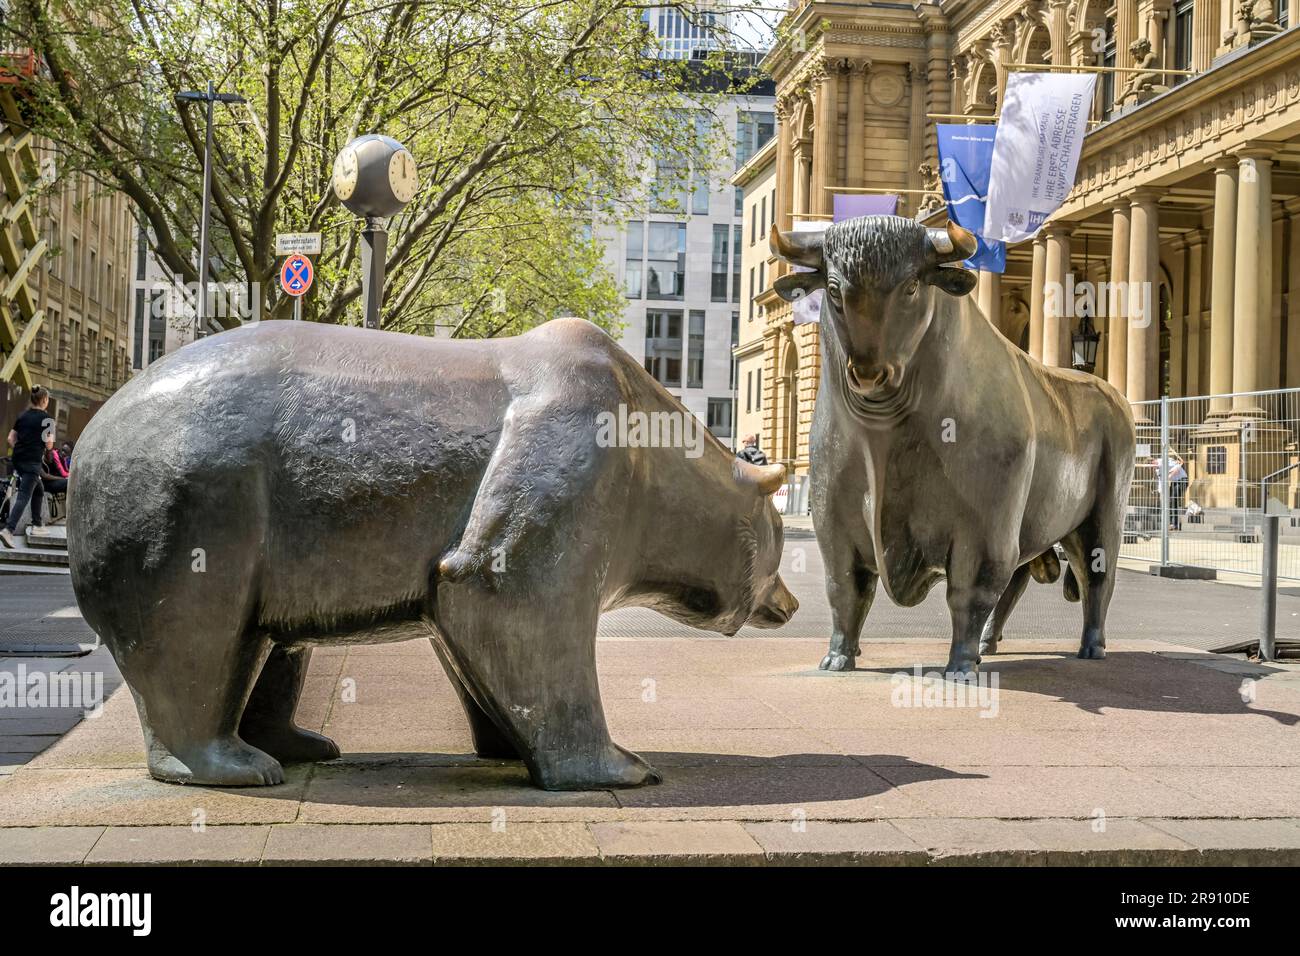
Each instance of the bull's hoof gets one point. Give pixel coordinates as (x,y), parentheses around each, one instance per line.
(293,745)
(962,673)
(988,647)
(1092,652)
(223,763)
(837,662)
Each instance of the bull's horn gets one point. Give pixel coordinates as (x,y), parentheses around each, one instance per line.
(801,248)
(767,479)
(953,244)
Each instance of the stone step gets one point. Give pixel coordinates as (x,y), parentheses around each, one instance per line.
(27,556)
(49,536)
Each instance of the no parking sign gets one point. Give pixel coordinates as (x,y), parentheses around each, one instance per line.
(296,275)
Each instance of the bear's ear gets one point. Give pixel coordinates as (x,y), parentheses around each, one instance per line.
(953,281)
(796,285)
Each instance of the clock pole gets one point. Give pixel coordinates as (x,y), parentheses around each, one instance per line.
(374,255)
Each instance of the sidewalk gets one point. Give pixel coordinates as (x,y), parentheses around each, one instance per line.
(1156,755)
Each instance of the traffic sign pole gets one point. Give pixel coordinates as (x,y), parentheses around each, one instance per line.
(296,276)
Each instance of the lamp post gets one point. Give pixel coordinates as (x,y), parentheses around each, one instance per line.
(210,96)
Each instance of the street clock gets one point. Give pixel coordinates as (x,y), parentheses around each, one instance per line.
(375,176)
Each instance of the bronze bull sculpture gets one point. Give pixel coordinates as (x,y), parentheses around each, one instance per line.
(940,450)
(288,484)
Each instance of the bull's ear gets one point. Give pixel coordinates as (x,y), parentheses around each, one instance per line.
(953,281)
(796,285)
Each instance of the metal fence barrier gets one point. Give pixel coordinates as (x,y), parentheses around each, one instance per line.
(1208,470)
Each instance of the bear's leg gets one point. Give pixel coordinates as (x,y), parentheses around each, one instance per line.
(489,741)
(190,695)
(268,724)
(533,668)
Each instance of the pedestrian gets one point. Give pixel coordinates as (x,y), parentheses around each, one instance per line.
(751,452)
(30,438)
(1176,472)
(54,477)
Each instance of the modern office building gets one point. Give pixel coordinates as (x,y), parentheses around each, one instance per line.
(679,261)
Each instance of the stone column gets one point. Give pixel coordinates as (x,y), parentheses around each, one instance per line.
(1291,374)
(1056,308)
(1270,349)
(823,151)
(989,292)
(1126,31)
(1253,282)
(856,121)
(1144,299)
(1038,276)
(1116,301)
(1205,33)
(1059,30)
(784,197)
(1223,274)
(1192,384)
(1177,322)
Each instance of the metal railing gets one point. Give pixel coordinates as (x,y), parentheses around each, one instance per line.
(1208,470)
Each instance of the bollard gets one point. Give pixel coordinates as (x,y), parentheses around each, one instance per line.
(1268,589)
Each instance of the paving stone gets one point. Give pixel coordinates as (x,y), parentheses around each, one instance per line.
(1108,842)
(175,845)
(34,797)
(506,842)
(974,841)
(681,842)
(316,845)
(46,846)
(401,793)
(813,842)
(1239,842)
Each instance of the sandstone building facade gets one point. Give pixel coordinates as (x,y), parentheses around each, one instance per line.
(1189,183)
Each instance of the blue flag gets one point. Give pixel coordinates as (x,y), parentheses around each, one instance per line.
(965,156)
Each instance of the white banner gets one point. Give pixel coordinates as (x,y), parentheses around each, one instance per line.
(1036,153)
(809,308)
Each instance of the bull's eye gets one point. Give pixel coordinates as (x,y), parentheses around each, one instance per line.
(911,287)
(833,293)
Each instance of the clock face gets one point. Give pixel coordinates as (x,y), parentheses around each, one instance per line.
(345,173)
(403,178)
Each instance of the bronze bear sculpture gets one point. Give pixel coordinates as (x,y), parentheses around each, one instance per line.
(288,484)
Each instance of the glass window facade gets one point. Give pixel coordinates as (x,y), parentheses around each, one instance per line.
(663,346)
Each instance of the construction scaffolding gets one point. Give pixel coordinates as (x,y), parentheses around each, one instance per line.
(21,246)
